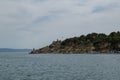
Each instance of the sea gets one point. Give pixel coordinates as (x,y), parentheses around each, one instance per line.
(24,66)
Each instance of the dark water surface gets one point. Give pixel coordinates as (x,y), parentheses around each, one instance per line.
(22,66)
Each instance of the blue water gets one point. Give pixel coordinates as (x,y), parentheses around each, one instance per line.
(24,66)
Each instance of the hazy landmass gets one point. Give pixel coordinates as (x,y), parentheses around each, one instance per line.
(14,50)
(90,43)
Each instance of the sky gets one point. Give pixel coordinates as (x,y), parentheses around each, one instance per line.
(36,23)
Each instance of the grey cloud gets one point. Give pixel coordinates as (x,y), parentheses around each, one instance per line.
(36,23)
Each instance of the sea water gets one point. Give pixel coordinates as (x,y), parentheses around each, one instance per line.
(24,66)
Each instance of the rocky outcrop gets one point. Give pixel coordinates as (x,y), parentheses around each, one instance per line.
(91,43)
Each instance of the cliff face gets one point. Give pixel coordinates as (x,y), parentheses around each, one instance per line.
(90,43)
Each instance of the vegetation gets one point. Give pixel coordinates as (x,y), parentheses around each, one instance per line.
(93,42)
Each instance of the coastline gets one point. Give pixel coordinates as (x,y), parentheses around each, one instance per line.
(92,43)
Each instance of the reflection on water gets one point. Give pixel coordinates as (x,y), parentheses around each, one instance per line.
(22,66)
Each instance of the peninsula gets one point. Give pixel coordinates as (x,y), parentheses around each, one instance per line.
(90,43)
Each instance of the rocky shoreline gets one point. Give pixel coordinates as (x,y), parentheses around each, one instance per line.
(92,43)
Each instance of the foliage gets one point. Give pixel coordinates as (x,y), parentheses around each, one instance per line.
(97,39)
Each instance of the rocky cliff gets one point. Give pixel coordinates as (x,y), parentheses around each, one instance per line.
(90,43)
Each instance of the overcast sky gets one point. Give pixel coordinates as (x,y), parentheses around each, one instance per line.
(36,23)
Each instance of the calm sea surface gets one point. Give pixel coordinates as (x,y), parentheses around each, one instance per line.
(24,66)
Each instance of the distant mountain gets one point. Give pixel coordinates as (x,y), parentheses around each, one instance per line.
(90,43)
(14,50)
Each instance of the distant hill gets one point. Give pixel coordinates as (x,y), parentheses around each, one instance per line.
(14,50)
(90,43)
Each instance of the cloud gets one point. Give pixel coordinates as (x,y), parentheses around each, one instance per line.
(36,23)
